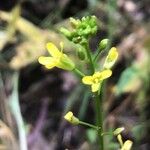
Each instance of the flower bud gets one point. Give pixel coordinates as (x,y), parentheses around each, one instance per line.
(81,53)
(103,44)
(66,32)
(74,22)
(71,118)
(118,131)
(111,58)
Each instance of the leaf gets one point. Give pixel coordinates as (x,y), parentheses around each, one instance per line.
(129,80)
(91,135)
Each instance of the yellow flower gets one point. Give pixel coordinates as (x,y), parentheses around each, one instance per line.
(71,118)
(111,58)
(127,145)
(96,79)
(57,58)
(118,130)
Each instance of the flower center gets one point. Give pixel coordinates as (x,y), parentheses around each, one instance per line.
(96,80)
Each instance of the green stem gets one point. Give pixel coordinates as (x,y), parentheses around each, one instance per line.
(107,133)
(89,125)
(90,58)
(98,102)
(99,118)
(98,52)
(77,71)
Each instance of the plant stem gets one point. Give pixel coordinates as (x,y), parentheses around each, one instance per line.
(99,119)
(77,71)
(89,125)
(89,57)
(98,101)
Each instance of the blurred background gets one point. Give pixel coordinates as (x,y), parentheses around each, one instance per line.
(33,100)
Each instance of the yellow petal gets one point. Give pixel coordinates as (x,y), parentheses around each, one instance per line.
(46,60)
(113,54)
(111,58)
(105,74)
(127,145)
(53,50)
(50,66)
(69,116)
(95,87)
(87,80)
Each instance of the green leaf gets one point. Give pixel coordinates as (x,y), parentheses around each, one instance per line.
(129,80)
(91,135)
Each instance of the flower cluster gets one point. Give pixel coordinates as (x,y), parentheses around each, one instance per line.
(82,29)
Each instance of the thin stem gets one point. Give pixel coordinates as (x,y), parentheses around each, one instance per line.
(99,118)
(98,102)
(92,68)
(89,125)
(98,52)
(107,133)
(84,104)
(77,71)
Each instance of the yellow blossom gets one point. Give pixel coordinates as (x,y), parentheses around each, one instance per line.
(96,79)
(118,130)
(57,58)
(127,145)
(71,118)
(111,58)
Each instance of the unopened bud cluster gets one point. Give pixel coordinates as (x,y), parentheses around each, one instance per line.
(81,29)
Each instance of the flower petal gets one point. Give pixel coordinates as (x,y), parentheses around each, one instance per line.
(50,66)
(46,60)
(87,80)
(95,87)
(111,58)
(105,74)
(68,116)
(53,50)
(127,145)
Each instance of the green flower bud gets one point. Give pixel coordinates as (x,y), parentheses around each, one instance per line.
(74,22)
(81,53)
(66,32)
(103,44)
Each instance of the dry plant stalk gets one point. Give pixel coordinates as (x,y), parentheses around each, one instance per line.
(7,137)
